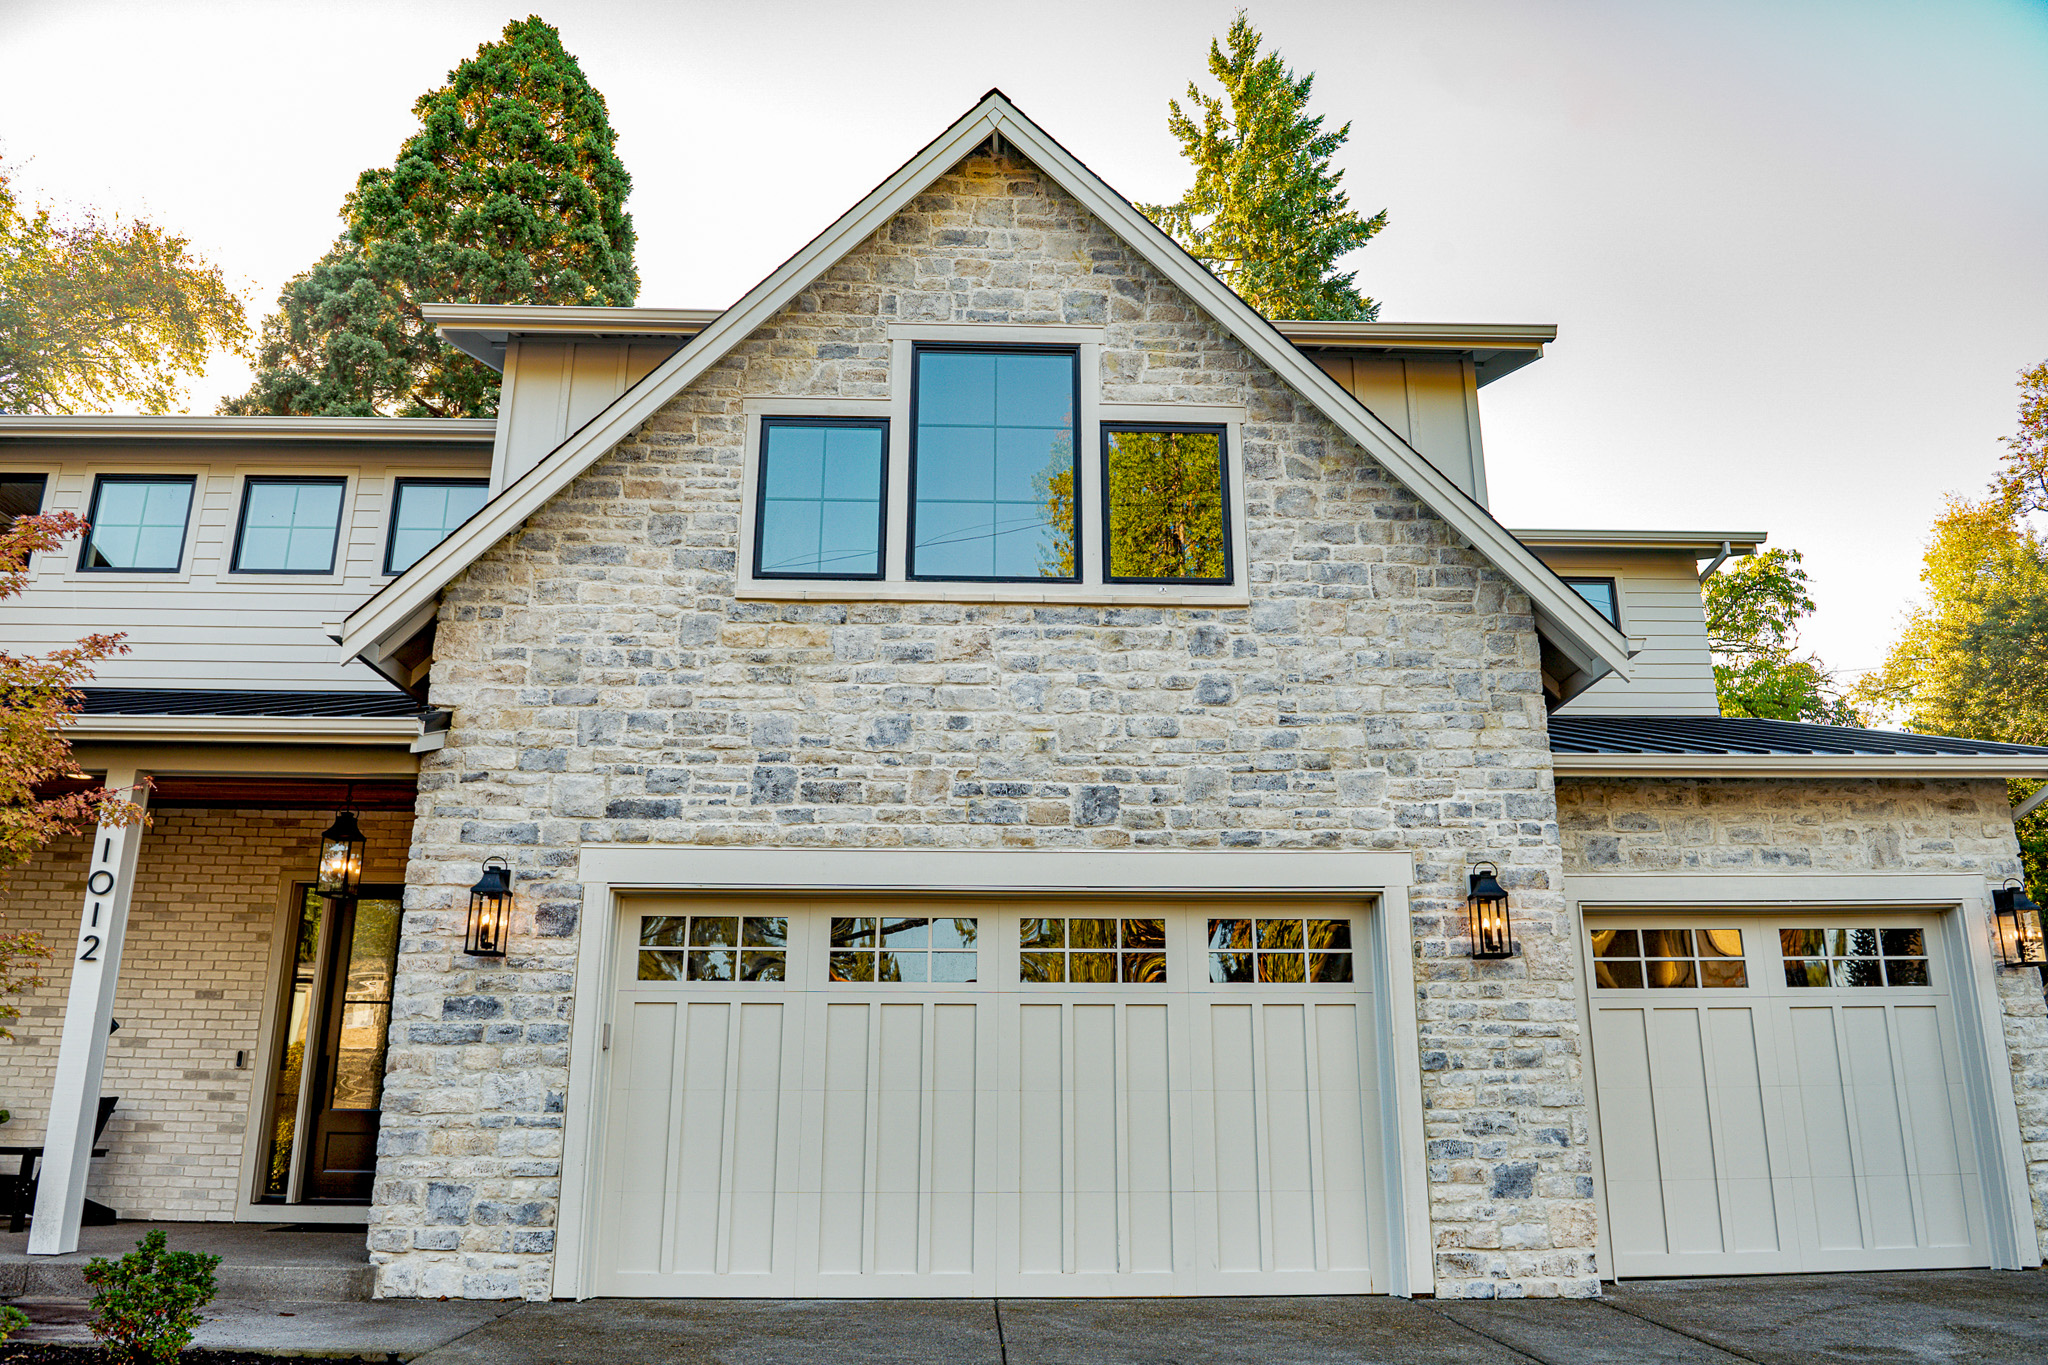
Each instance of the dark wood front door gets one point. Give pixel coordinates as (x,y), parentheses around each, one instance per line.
(348,1083)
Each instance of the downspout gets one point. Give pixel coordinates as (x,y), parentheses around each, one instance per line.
(2031,804)
(1727,548)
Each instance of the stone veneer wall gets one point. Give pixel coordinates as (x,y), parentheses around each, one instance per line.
(1381,692)
(1788,827)
(209,889)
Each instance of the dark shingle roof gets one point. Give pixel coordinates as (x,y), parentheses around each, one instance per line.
(166,701)
(1726,735)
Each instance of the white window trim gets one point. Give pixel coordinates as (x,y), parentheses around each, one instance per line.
(230,576)
(896,585)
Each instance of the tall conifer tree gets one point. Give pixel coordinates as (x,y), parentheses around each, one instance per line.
(510,192)
(1266,213)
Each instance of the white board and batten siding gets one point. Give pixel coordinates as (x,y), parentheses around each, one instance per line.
(1431,402)
(1753,1126)
(204,626)
(551,388)
(814,1137)
(1658,591)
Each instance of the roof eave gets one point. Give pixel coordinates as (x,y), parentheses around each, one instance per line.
(463,431)
(1703,543)
(396,731)
(1801,765)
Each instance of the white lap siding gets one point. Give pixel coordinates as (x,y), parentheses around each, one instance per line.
(1785,827)
(194,984)
(1381,692)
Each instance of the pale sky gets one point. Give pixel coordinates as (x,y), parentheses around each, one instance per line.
(1797,250)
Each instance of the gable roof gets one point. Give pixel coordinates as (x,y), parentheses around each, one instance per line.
(1586,640)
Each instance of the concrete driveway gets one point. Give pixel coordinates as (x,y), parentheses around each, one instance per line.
(1976,1316)
(1913,1319)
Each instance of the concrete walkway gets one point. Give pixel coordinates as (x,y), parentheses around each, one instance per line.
(1921,1318)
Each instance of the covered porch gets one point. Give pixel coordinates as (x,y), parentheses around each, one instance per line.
(236,1019)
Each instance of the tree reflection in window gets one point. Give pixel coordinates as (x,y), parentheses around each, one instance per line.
(1854,957)
(1280,950)
(714,948)
(1091,950)
(1668,959)
(883,948)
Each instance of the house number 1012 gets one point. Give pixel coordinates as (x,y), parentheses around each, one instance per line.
(99,883)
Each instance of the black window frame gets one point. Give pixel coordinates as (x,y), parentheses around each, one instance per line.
(881,572)
(41,479)
(242,520)
(92,518)
(1221,430)
(917,351)
(398,487)
(1613,593)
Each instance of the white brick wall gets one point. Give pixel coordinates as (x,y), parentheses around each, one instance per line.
(208,899)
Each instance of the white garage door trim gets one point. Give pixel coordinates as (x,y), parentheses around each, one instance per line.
(610,872)
(1962,911)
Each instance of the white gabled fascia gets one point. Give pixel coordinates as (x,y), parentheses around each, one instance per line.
(1584,636)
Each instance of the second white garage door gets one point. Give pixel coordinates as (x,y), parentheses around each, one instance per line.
(1781,1093)
(845,1100)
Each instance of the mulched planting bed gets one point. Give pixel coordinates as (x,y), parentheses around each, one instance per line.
(50,1353)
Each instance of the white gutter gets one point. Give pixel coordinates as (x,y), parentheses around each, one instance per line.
(1801,765)
(412,430)
(392,730)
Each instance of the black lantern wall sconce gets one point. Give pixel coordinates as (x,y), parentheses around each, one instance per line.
(1486,914)
(490,910)
(341,855)
(2019,927)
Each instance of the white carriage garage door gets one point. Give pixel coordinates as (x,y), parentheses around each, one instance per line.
(848,1100)
(1781,1093)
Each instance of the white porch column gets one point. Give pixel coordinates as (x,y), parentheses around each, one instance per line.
(88,1013)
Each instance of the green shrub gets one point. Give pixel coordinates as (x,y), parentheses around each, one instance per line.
(12,1320)
(145,1305)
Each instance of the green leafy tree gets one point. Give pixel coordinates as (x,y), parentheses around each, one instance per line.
(98,312)
(1972,659)
(1754,608)
(510,192)
(1266,213)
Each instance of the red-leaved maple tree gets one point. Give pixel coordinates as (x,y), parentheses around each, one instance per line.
(38,698)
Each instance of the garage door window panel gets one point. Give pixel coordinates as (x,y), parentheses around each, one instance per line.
(1669,959)
(1091,950)
(714,948)
(1283,951)
(1854,958)
(885,948)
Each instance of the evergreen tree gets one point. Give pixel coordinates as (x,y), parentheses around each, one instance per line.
(1266,213)
(510,192)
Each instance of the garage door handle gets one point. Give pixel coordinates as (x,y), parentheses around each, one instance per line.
(607,1038)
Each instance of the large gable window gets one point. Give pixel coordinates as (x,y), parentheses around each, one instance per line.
(987,464)
(992,460)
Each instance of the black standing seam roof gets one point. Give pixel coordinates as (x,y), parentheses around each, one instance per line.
(1727,735)
(166,701)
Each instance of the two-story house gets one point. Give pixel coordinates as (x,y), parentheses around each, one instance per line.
(1015,774)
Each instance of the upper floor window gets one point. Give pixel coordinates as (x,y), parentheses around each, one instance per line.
(819,513)
(288,525)
(21,495)
(138,523)
(994,435)
(1600,594)
(1164,490)
(424,511)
